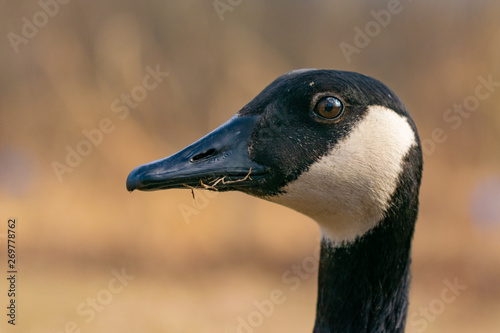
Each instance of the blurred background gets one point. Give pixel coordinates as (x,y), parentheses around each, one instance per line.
(90,90)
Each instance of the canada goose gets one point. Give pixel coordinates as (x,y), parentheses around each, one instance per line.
(341,148)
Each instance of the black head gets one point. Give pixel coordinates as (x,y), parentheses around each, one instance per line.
(310,134)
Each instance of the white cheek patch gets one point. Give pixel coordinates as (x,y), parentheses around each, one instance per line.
(348,191)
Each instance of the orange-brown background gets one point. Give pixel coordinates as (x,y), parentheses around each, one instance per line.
(201,276)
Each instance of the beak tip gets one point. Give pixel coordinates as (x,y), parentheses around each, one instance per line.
(132,181)
(130,187)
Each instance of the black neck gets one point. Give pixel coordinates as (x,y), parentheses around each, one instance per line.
(363,287)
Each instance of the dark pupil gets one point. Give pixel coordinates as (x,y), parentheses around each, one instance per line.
(330,104)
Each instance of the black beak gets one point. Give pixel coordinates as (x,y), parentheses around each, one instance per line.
(218,161)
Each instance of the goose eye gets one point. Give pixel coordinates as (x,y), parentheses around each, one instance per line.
(329,108)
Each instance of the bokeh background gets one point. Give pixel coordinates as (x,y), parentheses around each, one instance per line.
(200,266)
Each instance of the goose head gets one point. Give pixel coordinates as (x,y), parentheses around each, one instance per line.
(332,145)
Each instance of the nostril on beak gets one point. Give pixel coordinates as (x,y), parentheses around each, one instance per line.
(204,155)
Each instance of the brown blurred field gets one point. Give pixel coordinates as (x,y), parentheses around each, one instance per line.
(203,275)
